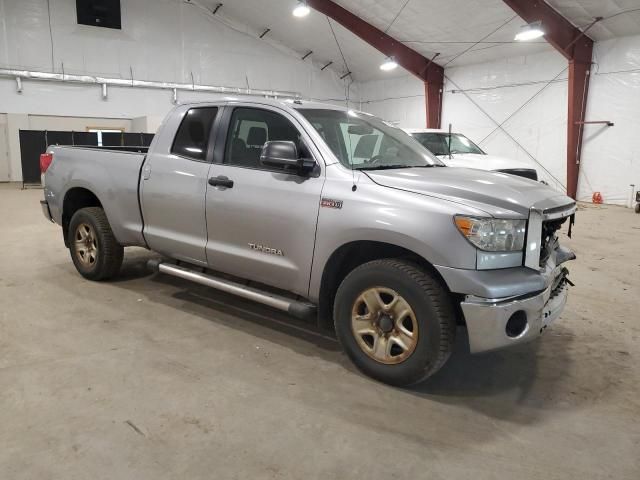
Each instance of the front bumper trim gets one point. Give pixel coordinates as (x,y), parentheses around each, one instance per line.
(487,318)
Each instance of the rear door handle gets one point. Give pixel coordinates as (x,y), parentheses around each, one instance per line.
(221,181)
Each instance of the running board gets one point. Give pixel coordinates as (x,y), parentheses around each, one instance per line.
(296,308)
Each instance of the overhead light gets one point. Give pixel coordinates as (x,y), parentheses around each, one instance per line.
(389,64)
(301,10)
(530,32)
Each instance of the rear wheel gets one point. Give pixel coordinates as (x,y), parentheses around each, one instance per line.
(94,250)
(394,321)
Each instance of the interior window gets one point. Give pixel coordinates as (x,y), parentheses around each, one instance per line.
(250,128)
(193,135)
(433,142)
(461,144)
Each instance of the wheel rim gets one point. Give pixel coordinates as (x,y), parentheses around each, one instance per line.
(86,245)
(384,325)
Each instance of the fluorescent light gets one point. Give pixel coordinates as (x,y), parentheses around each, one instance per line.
(530,32)
(301,10)
(389,64)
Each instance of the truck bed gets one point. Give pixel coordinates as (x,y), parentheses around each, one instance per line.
(112,174)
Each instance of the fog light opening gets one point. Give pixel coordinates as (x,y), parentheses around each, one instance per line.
(517,324)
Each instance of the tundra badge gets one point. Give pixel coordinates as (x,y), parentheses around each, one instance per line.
(264,249)
(330,203)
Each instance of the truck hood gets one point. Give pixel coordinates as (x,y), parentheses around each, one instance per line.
(495,193)
(483,162)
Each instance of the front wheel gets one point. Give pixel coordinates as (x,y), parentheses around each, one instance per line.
(94,250)
(395,321)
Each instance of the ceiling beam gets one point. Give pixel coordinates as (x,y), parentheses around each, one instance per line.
(577,48)
(559,31)
(425,69)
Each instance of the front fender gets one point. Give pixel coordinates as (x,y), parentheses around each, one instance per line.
(420,224)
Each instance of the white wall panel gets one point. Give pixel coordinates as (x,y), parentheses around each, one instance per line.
(4,149)
(163,40)
(398,100)
(527,96)
(611,155)
(498,88)
(479,97)
(78,124)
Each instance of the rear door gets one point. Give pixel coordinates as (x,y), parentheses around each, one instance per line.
(262,226)
(174,185)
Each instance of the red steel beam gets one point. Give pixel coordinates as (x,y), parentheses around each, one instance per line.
(577,48)
(426,70)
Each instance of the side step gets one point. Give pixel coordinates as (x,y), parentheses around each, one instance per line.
(296,308)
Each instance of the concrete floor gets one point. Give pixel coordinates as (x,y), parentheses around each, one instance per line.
(149,377)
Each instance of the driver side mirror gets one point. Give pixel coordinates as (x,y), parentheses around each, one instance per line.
(283,155)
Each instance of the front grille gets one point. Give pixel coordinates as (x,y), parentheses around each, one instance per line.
(541,233)
(521,172)
(549,241)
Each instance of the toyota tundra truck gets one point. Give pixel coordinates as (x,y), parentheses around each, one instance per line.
(328,213)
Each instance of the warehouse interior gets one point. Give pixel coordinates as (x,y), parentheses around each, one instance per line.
(152,376)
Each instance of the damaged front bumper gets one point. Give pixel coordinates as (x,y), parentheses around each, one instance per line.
(515,305)
(499,323)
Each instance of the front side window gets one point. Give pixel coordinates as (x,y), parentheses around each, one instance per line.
(193,135)
(363,142)
(249,129)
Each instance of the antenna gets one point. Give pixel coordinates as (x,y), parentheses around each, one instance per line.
(350,156)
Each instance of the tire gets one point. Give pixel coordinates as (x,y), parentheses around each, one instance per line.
(430,318)
(94,250)
(637,207)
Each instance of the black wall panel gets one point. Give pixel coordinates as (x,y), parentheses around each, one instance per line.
(32,144)
(111,139)
(146,139)
(99,13)
(54,137)
(85,138)
(132,139)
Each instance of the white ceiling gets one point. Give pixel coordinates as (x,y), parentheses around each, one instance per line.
(451,28)
(582,12)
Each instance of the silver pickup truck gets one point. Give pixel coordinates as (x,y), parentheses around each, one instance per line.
(324,212)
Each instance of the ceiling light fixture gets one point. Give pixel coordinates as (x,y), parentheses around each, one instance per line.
(530,32)
(301,10)
(389,64)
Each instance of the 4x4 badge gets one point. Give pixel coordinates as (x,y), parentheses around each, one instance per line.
(330,203)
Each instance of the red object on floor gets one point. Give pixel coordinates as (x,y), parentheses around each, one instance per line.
(597,197)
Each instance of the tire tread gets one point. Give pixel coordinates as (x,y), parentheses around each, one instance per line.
(112,251)
(438,297)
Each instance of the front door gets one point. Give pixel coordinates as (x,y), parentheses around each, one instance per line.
(262,222)
(174,185)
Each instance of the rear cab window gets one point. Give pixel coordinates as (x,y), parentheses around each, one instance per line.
(192,139)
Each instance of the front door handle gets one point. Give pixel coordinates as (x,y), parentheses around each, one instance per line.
(221,181)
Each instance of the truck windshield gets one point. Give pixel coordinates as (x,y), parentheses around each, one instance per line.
(363,142)
(438,143)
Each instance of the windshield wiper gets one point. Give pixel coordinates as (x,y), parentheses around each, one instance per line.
(389,167)
(384,167)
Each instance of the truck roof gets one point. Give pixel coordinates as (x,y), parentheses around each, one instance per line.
(287,103)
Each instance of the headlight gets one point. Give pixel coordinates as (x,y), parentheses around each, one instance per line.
(493,234)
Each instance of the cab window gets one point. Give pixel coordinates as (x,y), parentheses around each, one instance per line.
(192,138)
(249,129)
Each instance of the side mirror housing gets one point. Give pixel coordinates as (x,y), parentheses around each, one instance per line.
(283,155)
